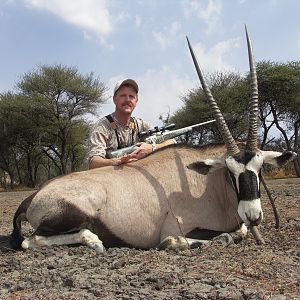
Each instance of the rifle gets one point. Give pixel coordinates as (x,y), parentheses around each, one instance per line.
(156,136)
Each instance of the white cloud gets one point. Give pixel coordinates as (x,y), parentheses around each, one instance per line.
(169,35)
(209,14)
(161,92)
(138,21)
(92,16)
(213,59)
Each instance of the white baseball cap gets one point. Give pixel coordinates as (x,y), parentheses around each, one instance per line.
(126,81)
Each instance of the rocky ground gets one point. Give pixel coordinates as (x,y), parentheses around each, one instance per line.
(242,271)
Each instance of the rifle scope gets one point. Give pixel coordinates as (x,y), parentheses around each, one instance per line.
(156,129)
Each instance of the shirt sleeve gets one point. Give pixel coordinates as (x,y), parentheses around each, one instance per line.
(98,141)
(144,125)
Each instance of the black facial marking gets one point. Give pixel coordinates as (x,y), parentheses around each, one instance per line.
(248,188)
(244,157)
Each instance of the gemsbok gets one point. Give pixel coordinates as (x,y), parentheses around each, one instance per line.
(156,201)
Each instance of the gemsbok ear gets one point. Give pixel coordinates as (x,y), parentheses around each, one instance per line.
(207,166)
(278,159)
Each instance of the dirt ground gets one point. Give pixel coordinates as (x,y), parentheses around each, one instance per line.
(242,271)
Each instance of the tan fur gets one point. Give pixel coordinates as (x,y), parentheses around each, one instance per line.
(137,202)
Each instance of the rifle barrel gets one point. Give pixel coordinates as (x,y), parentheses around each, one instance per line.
(204,123)
(178,132)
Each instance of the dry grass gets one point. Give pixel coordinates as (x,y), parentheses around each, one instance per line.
(280,174)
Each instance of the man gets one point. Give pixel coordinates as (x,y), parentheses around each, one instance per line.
(119,130)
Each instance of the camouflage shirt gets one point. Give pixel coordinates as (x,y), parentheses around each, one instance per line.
(108,136)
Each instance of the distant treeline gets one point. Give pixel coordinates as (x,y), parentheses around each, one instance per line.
(44,123)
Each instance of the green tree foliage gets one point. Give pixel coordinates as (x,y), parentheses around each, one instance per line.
(44,123)
(279,92)
(279,100)
(18,138)
(230,91)
(66,96)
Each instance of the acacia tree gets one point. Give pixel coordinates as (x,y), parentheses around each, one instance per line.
(20,149)
(65,96)
(231,92)
(76,148)
(9,155)
(7,158)
(43,125)
(279,92)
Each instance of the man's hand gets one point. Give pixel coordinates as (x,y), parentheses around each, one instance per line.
(124,159)
(143,150)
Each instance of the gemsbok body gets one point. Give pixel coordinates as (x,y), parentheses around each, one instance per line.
(157,199)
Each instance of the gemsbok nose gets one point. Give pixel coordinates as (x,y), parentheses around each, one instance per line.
(256,222)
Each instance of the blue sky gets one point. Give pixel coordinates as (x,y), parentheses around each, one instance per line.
(144,40)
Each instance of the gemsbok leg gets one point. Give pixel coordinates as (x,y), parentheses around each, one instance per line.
(84,236)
